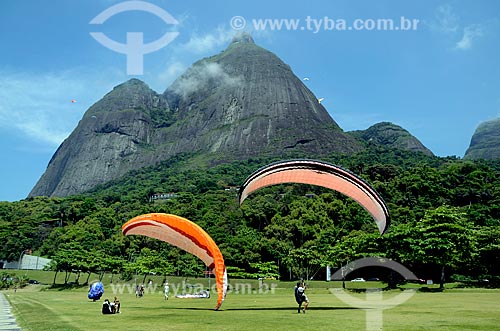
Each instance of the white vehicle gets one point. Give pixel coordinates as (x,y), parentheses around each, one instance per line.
(358,280)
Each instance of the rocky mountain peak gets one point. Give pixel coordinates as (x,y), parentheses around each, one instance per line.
(393,136)
(248,101)
(243,37)
(485,143)
(241,103)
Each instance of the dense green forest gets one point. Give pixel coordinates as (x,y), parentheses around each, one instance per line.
(445,215)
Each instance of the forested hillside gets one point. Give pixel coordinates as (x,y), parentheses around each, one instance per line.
(445,212)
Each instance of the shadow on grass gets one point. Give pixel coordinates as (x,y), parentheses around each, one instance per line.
(431,289)
(292,309)
(68,286)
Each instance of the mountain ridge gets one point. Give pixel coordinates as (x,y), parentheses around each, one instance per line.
(391,135)
(485,142)
(243,102)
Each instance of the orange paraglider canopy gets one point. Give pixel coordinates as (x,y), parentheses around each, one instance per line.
(182,233)
(321,174)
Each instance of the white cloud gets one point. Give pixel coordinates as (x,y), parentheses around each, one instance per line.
(196,47)
(201,75)
(470,33)
(445,20)
(207,43)
(174,69)
(39,106)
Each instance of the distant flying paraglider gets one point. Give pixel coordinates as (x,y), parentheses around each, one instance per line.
(73,101)
(320,99)
(323,174)
(305,78)
(183,233)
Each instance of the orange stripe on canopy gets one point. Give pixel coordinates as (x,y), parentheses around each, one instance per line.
(321,174)
(186,235)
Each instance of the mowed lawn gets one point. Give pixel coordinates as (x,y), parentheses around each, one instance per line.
(455,309)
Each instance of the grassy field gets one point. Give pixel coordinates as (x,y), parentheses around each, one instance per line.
(38,308)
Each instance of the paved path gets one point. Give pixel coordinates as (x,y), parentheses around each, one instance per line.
(7,320)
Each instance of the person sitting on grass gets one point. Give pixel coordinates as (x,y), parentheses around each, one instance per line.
(116,306)
(106,307)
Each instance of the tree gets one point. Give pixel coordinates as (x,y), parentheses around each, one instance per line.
(444,237)
(62,261)
(265,269)
(150,262)
(87,233)
(488,260)
(302,261)
(113,264)
(17,236)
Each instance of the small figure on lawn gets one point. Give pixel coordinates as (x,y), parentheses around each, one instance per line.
(301,297)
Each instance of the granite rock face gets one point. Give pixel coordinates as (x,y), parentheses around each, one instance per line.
(240,103)
(248,102)
(392,136)
(107,142)
(485,142)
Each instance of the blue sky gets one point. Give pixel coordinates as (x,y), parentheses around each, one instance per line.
(438,81)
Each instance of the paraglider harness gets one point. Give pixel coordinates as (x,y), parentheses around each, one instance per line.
(96,290)
(299,296)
